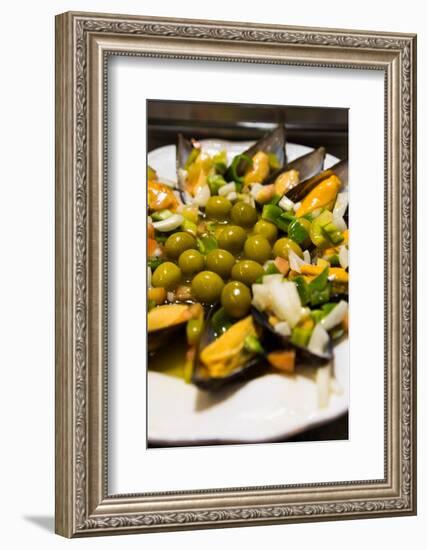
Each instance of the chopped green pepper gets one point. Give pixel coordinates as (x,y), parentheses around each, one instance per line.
(284,220)
(276,215)
(252,344)
(318,237)
(220,158)
(319,314)
(299,231)
(206,244)
(317,292)
(215,181)
(154,263)
(300,336)
(319,283)
(271,269)
(320,288)
(275,200)
(318,297)
(271,212)
(161,215)
(333,233)
(238,164)
(303,290)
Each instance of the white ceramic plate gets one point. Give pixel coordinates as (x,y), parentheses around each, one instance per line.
(268,408)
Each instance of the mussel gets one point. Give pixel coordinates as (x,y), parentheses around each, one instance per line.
(253,164)
(291,175)
(272,143)
(167,321)
(298,192)
(225,358)
(310,164)
(274,341)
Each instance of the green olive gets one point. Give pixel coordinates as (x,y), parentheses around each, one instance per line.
(220,261)
(167,275)
(257,248)
(247,271)
(232,238)
(218,207)
(236,299)
(178,242)
(207,286)
(266,229)
(282,246)
(191,261)
(244,214)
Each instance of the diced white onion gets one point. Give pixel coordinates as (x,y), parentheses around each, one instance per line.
(335,317)
(318,341)
(307,257)
(343,256)
(297,206)
(169,224)
(285,302)
(340,205)
(286,203)
(202,195)
(282,328)
(227,188)
(148,276)
(170,296)
(295,262)
(248,199)
(232,196)
(261,296)
(149,220)
(323,379)
(274,277)
(339,223)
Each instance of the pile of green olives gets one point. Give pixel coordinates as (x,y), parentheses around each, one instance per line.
(243,243)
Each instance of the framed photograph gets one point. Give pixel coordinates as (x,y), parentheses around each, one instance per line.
(226,354)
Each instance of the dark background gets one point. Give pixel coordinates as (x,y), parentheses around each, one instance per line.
(312,126)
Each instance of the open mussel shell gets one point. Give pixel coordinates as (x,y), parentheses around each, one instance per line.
(272,341)
(183,150)
(166,323)
(157,340)
(252,367)
(302,189)
(308,165)
(273,142)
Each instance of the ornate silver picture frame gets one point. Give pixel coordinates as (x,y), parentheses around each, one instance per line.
(84,42)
